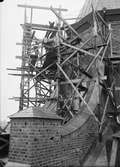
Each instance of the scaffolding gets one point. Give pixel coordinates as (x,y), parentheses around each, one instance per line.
(69,65)
(61,67)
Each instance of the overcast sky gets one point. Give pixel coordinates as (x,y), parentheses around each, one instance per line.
(10,33)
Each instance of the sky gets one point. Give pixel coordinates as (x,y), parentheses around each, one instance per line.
(11,17)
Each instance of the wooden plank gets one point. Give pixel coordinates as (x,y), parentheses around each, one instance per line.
(41,7)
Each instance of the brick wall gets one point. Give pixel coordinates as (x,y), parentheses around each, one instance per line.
(38,142)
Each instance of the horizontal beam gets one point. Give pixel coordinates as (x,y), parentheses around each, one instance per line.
(116,62)
(18,69)
(74,18)
(22,58)
(67,82)
(41,7)
(25,75)
(12,69)
(19,43)
(44,29)
(33,99)
(75,81)
(41,27)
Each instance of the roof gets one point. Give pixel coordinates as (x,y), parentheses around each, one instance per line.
(98,5)
(75,123)
(79,120)
(35,112)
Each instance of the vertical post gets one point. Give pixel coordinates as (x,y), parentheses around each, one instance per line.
(40,90)
(78,73)
(1,10)
(31,16)
(95,32)
(29,47)
(110,30)
(114,153)
(97,62)
(0,64)
(59,61)
(22,65)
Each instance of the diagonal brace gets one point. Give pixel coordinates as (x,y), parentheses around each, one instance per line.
(75,89)
(65,22)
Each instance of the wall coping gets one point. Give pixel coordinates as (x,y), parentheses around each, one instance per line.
(35,112)
(15,164)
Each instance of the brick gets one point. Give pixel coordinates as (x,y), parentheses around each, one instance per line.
(38,144)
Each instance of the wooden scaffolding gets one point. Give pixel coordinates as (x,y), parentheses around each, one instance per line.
(60,67)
